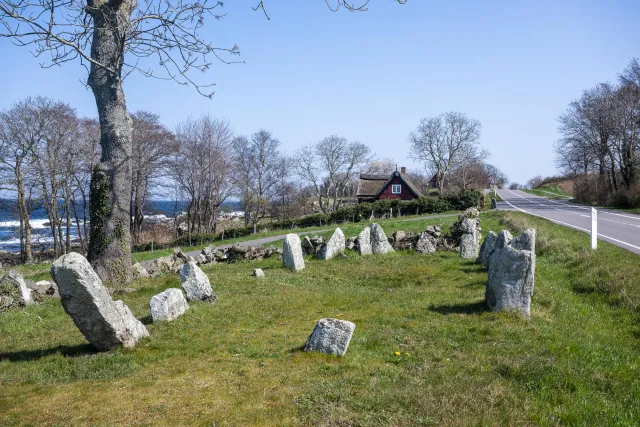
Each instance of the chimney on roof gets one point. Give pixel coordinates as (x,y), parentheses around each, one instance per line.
(403,170)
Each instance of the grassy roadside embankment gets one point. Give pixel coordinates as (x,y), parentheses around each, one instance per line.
(550,191)
(238,362)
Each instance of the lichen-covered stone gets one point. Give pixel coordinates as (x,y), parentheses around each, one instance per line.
(379,242)
(104,323)
(168,305)
(334,246)
(511,276)
(487,248)
(292,253)
(426,244)
(13,286)
(364,241)
(330,336)
(196,284)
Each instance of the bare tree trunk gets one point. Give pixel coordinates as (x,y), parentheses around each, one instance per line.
(110,195)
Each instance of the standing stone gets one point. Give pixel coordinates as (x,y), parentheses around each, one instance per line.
(469,239)
(426,243)
(258,272)
(168,305)
(292,253)
(511,278)
(196,284)
(379,242)
(526,241)
(487,248)
(307,246)
(330,336)
(364,241)
(494,203)
(14,286)
(504,237)
(104,323)
(334,246)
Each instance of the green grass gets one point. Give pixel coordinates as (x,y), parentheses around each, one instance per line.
(143,256)
(239,361)
(550,191)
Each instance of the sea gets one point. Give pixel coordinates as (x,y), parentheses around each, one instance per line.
(155,211)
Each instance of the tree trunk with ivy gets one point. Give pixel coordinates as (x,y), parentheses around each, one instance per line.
(110,194)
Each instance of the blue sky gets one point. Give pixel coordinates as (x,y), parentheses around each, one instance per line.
(372,76)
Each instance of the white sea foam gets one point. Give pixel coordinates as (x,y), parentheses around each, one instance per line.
(36,224)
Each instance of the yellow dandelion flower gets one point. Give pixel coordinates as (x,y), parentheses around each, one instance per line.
(407,354)
(397,353)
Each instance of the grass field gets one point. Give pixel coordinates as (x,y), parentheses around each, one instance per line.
(346,227)
(550,191)
(239,361)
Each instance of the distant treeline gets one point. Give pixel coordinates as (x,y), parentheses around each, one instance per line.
(432,204)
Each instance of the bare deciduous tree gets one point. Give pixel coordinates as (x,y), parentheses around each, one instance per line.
(202,169)
(113,38)
(258,167)
(329,166)
(153,144)
(444,142)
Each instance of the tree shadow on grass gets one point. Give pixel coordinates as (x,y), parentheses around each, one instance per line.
(65,350)
(471,308)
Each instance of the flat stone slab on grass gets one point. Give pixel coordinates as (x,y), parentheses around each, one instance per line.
(196,284)
(292,253)
(258,272)
(104,323)
(168,305)
(330,336)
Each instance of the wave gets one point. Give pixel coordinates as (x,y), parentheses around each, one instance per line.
(36,224)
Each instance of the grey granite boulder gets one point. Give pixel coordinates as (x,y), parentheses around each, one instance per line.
(364,241)
(45,288)
(469,240)
(292,253)
(139,271)
(334,246)
(168,305)
(504,237)
(487,248)
(379,242)
(511,278)
(104,323)
(196,284)
(426,244)
(526,241)
(330,336)
(307,246)
(258,272)
(14,287)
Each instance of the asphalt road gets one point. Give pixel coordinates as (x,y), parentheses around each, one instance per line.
(619,228)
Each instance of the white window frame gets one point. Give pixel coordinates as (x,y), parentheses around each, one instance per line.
(396,186)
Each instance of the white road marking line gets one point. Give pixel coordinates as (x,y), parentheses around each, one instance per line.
(569,225)
(604,211)
(574,213)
